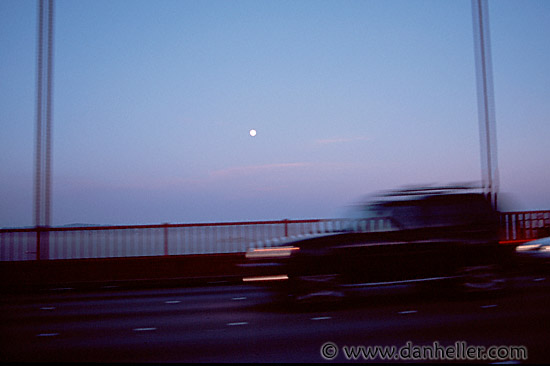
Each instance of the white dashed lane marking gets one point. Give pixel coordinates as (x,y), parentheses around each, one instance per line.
(172,302)
(144,329)
(236,324)
(322,318)
(408,312)
(47,334)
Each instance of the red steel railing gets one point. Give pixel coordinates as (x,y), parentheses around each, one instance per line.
(153,240)
(517,227)
(204,238)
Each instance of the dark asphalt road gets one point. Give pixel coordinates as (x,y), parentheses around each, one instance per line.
(242,324)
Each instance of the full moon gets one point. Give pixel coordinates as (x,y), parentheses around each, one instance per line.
(252,133)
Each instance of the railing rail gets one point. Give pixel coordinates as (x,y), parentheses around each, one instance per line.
(204,238)
(524,225)
(153,240)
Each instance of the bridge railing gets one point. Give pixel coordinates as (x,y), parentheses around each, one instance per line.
(204,238)
(154,240)
(525,225)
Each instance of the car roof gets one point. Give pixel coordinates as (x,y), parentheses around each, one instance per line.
(424,193)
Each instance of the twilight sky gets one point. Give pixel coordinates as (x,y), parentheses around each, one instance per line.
(154,101)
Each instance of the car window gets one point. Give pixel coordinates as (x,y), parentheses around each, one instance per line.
(431,211)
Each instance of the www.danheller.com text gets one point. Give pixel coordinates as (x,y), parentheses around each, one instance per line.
(459,351)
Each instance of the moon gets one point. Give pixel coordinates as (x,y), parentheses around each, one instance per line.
(252,133)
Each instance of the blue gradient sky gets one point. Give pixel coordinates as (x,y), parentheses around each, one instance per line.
(153,102)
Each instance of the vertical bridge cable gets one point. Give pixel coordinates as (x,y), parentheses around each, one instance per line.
(43,152)
(485,98)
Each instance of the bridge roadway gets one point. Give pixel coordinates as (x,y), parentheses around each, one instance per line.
(237,323)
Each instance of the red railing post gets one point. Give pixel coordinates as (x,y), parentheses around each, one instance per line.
(37,243)
(165,239)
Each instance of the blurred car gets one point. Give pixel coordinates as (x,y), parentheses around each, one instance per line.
(534,256)
(408,236)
